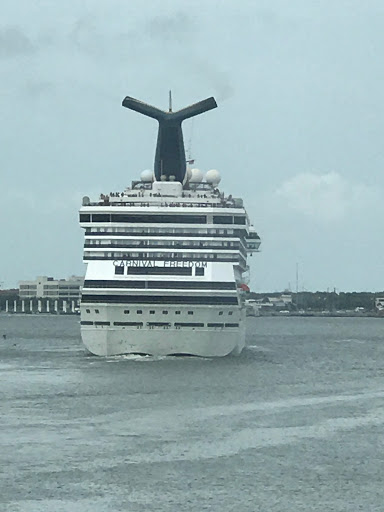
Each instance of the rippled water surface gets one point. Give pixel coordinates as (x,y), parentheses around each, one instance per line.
(293,424)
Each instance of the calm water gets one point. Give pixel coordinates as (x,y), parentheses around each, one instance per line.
(293,424)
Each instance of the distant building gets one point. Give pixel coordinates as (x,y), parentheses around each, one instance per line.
(284,300)
(272,303)
(50,288)
(379,304)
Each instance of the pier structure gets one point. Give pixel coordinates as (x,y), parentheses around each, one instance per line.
(38,306)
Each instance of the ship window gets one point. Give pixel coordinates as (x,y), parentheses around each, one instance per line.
(165,312)
(190,312)
(87,310)
(181,271)
(199,271)
(220,312)
(97,311)
(152,312)
(177,312)
(231,325)
(139,312)
(222,219)
(101,217)
(230,312)
(240,220)
(126,311)
(188,324)
(84,217)
(119,270)
(154,219)
(130,324)
(205,299)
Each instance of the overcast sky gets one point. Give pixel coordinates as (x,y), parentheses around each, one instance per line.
(298,132)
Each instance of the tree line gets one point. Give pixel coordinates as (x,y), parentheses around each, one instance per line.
(327,301)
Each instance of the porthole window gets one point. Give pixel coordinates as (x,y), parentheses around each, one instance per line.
(165,312)
(177,312)
(190,312)
(126,311)
(139,312)
(152,312)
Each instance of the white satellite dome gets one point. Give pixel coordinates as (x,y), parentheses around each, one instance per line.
(213,177)
(196,176)
(146,175)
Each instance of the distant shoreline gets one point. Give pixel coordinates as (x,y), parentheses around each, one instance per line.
(312,314)
(317,314)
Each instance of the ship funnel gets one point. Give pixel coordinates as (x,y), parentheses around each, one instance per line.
(170,153)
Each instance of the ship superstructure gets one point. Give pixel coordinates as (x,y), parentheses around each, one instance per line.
(166,258)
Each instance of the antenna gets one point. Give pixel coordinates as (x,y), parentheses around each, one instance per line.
(170,101)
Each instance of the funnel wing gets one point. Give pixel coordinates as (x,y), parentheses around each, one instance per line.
(195,110)
(143,108)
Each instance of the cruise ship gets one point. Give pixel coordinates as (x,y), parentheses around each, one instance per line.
(166,257)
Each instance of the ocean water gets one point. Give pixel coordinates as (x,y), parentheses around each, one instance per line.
(293,424)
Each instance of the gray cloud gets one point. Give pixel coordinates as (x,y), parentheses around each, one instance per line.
(38,88)
(175,34)
(177,28)
(329,197)
(89,39)
(178,33)
(14,43)
(218,79)
(159,29)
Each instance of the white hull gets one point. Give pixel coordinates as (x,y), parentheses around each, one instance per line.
(110,340)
